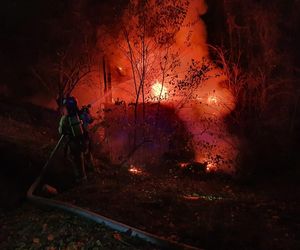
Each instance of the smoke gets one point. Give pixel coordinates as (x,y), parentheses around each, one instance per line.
(191,39)
(203,114)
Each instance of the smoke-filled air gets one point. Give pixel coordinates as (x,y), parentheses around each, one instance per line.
(149,124)
(201,107)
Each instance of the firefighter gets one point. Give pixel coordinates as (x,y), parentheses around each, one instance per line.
(87,119)
(71,125)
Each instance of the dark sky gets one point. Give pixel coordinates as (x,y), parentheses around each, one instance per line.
(33,29)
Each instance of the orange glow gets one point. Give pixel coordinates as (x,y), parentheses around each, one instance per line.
(212,99)
(207,197)
(121,70)
(211,167)
(135,170)
(183,164)
(191,197)
(159,91)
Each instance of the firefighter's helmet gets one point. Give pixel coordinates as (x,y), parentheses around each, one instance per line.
(71,105)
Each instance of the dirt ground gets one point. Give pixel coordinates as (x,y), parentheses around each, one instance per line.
(27,135)
(208,212)
(32,228)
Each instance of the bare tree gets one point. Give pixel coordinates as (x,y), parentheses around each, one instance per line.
(61,76)
(70,52)
(148,32)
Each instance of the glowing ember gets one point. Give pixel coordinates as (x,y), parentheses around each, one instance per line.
(191,197)
(135,170)
(195,197)
(211,167)
(159,91)
(183,164)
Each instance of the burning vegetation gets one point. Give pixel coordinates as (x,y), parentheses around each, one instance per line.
(187,112)
(159,58)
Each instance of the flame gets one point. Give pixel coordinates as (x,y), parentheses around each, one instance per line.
(212,99)
(191,197)
(135,170)
(207,197)
(211,167)
(159,91)
(183,164)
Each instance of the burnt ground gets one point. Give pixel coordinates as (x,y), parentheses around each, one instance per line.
(211,212)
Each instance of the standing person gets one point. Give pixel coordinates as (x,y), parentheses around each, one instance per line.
(87,119)
(71,125)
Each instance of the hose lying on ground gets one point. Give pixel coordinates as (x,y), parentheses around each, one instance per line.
(115,225)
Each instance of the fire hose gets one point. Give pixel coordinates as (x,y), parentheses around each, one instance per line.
(115,225)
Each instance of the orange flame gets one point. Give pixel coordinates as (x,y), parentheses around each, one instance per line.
(212,99)
(159,91)
(135,170)
(211,167)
